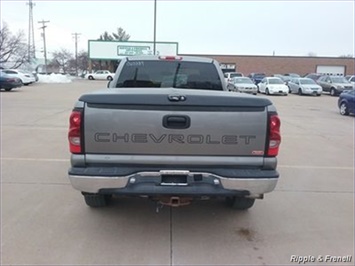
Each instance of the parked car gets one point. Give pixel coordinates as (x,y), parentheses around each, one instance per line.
(26,78)
(8,82)
(351,79)
(334,84)
(230,75)
(242,84)
(100,74)
(304,86)
(256,77)
(292,75)
(314,76)
(346,102)
(272,85)
(285,79)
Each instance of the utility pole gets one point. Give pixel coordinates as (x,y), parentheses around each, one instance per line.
(44,41)
(155,26)
(31,33)
(75,34)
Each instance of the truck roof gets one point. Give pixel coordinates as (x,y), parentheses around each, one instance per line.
(163,57)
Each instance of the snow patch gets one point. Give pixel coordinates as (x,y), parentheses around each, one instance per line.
(54,78)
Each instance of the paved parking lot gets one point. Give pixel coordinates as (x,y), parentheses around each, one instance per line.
(45,221)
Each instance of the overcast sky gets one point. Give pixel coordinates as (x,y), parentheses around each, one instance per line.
(297,28)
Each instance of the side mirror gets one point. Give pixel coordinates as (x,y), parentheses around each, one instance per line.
(108,84)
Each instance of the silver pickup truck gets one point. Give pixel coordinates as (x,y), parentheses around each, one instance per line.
(168,129)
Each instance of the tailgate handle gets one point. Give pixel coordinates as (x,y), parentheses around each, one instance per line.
(176,121)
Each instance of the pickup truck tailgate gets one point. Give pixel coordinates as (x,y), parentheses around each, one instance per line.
(174,122)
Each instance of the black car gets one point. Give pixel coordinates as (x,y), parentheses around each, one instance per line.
(256,77)
(346,102)
(314,76)
(8,82)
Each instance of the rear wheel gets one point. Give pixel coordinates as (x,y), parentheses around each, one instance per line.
(90,77)
(8,89)
(332,92)
(109,78)
(344,110)
(267,91)
(96,200)
(240,203)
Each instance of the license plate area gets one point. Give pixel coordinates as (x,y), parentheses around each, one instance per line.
(173,180)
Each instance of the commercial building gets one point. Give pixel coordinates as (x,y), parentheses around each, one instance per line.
(110,53)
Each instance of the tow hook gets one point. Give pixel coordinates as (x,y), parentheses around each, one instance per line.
(175,201)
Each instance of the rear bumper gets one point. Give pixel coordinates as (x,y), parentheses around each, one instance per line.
(312,92)
(278,91)
(248,182)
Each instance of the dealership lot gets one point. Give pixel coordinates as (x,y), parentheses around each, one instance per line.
(45,221)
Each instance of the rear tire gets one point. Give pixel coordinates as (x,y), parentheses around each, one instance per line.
(109,78)
(96,200)
(343,109)
(240,203)
(90,77)
(267,91)
(8,89)
(332,92)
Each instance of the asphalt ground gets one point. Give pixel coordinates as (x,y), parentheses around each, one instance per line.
(45,221)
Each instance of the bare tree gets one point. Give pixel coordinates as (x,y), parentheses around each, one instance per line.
(62,58)
(347,56)
(121,35)
(312,54)
(83,60)
(13,48)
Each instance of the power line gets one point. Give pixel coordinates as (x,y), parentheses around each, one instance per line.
(75,34)
(44,40)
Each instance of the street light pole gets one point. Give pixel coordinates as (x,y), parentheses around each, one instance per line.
(155,25)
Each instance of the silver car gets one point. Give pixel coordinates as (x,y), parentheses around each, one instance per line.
(242,84)
(304,86)
(334,84)
(351,79)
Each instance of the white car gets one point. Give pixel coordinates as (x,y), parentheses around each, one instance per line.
(100,74)
(272,85)
(242,84)
(304,86)
(230,75)
(351,79)
(26,78)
